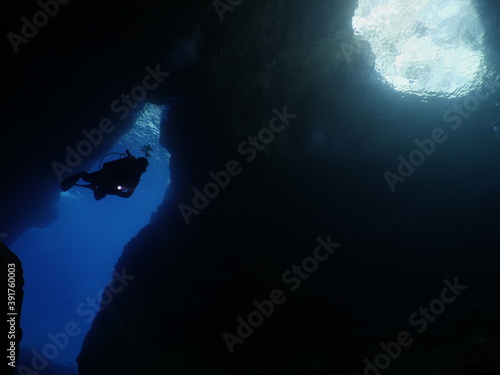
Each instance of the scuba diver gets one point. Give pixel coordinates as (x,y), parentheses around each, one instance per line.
(118,177)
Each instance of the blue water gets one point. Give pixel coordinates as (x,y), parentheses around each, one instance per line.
(67,265)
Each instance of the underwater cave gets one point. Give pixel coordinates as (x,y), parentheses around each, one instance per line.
(337,160)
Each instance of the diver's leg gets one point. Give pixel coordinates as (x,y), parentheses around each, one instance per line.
(93,177)
(96,180)
(99,194)
(71,181)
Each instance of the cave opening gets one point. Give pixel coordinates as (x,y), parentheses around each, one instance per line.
(429,48)
(79,250)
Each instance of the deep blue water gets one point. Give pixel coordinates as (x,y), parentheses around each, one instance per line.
(68,264)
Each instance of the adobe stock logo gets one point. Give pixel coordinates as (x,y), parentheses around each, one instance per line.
(249,148)
(419,319)
(58,341)
(221,7)
(30,29)
(427,147)
(123,106)
(293,278)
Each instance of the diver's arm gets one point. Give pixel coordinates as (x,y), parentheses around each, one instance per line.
(130,190)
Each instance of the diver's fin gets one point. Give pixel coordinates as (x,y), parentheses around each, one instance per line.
(70,181)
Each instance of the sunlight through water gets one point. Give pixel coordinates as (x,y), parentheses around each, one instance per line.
(424,47)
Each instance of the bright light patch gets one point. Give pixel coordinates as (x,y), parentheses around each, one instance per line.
(424,47)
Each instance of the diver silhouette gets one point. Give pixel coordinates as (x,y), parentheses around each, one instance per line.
(118,177)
